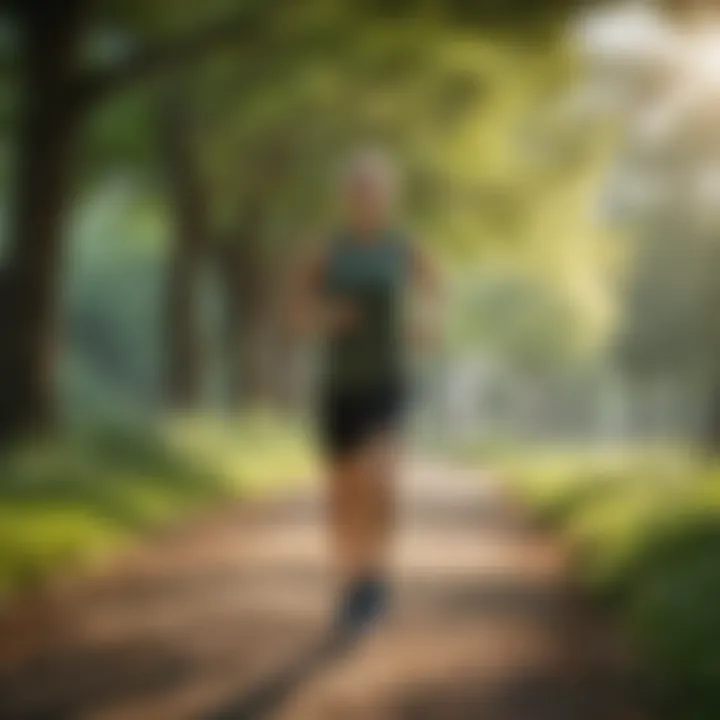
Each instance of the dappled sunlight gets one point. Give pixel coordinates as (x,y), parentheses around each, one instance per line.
(311,310)
(257,451)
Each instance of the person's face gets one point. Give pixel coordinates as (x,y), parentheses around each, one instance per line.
(368,199)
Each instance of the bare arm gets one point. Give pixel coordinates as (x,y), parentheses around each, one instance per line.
(426,274)
(308,312)
(427,298)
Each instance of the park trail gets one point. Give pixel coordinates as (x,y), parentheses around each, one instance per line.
(227,618)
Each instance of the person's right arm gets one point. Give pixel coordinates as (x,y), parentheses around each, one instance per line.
(309,311)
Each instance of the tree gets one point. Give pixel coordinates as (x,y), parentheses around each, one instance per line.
(57,94)
(189,250)
(60,88)
(51,34)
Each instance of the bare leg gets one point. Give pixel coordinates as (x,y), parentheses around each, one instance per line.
(362,508)
(346,514)
(380,470)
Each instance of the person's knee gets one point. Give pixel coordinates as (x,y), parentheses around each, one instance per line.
(382,459)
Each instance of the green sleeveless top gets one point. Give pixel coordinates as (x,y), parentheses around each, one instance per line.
(371,276)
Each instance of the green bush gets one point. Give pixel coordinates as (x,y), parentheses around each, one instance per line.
(73,501)
(645,533)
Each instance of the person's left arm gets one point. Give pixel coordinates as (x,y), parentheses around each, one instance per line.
(426,297)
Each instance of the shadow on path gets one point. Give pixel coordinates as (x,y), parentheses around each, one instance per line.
(262,700)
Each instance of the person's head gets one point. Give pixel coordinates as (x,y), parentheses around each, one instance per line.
(370,186)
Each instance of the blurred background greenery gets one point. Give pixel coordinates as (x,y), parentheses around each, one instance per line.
(162,163)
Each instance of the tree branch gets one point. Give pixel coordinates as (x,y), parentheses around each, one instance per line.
(93,86)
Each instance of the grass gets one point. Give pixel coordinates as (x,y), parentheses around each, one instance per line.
(645,532)
(73,502)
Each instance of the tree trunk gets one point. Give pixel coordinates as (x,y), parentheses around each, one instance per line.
(188,254)
(242,275)
(48,128)
(231,267)
(55,94)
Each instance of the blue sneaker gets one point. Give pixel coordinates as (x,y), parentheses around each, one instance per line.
(376,595)
(363,603)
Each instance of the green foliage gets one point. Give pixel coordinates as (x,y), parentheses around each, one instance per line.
(461,92)
(645,532)
(519,319)
(72,502)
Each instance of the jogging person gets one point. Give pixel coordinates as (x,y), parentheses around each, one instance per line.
(353,294)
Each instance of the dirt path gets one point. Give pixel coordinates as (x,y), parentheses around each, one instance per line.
(226,620)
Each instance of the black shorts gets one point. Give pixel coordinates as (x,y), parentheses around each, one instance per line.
(350,417)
